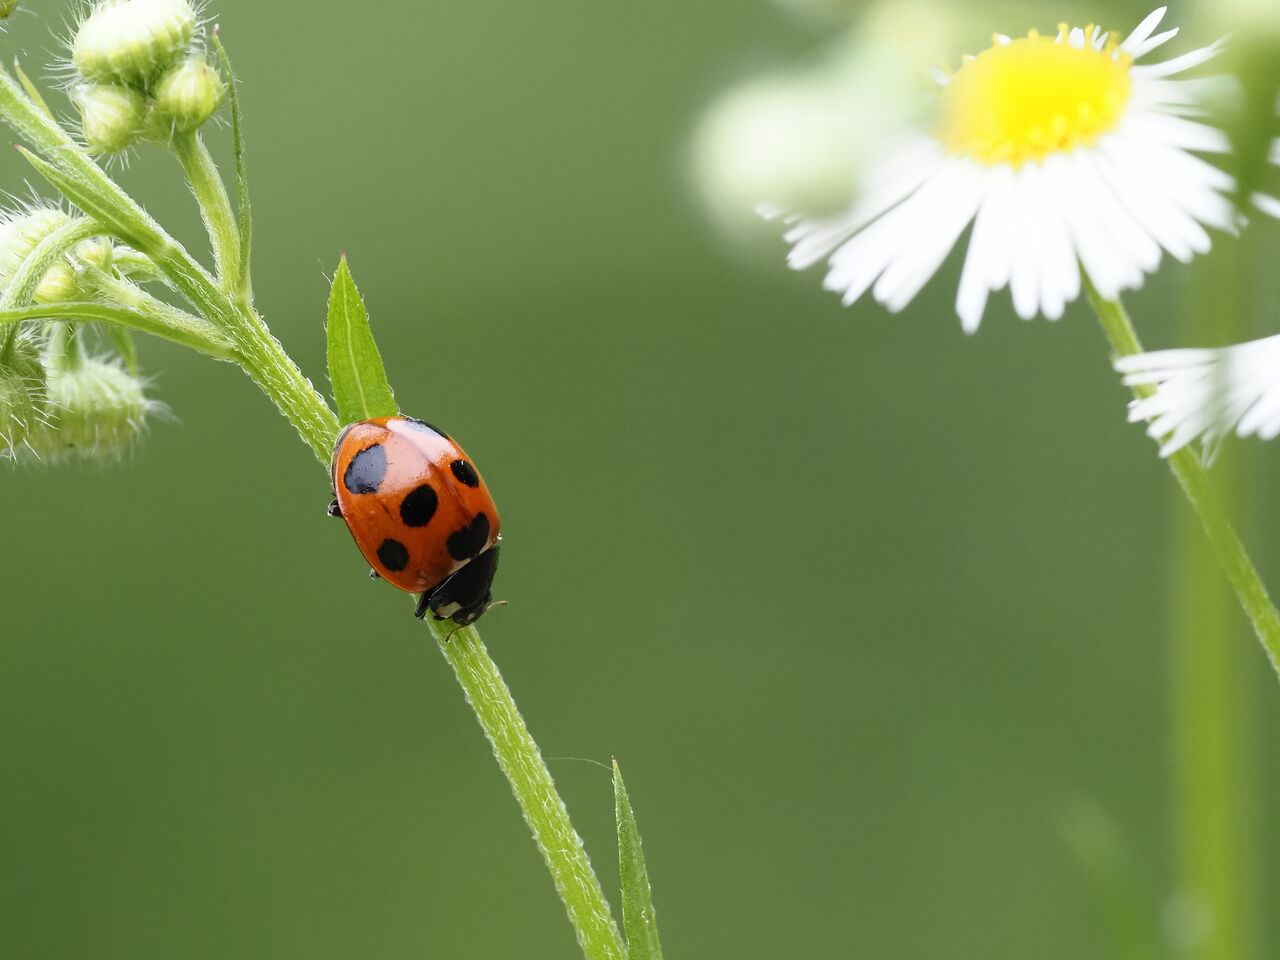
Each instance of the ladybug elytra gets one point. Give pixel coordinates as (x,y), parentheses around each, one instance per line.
(419,512)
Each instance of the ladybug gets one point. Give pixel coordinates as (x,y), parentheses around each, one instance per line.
(419,512)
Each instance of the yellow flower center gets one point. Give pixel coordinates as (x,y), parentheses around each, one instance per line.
(1025,99)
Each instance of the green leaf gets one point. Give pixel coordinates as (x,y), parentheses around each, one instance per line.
(32,90)
(245,214)
(639,925)
(355,367)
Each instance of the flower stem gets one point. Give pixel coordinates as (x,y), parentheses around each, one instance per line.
(534,789)
(1194,480)
(215,206)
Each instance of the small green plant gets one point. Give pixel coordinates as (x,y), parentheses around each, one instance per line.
(147,74)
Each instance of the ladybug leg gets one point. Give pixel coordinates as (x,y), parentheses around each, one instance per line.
(374,574)
(420,610)
(334,510)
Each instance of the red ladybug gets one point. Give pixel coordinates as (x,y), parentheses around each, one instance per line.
(419,512)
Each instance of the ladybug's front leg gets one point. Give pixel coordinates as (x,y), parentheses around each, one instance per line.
(420,610)
(334,510)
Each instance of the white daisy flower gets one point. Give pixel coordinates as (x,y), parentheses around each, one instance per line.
(1206,394)
(1062,152)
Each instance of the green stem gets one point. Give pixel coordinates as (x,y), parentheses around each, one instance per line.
(531,782)
(1194,480)
(215,206)
(225,308)
(244,287)
(21,289)
(194,333)
(275,373)
(52,247)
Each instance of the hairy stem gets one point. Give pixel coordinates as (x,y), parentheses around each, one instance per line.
(531,782)
(215,206)
(21,289)
(195,333)
(275,373)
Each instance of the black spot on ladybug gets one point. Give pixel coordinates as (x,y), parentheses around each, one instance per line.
(466,543)
(465,473)
(393,554)
(366,470)
(419,506)
(423,425)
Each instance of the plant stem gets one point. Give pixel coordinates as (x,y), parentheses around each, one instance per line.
(215,206)
(535,791)
(224,305)
(275,373)
(21,289)
(1194,480)
(196,334)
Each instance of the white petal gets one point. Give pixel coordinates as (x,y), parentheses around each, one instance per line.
(986,266)
(857,264)
(1142,49)
(1204,394)
(1059,271)
(904,277)
(1024,284)
(1178,64)
(1101,256)
(887,186)
(1143,30)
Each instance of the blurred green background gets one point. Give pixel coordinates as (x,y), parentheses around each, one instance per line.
(861,604)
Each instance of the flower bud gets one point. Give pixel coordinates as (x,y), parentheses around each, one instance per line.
(131,41)
(19,235)
(112,117)
(95,408)
(23,400)
(7,7)
(189,93)
(778,142)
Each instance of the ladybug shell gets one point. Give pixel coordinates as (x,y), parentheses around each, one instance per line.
(417,508)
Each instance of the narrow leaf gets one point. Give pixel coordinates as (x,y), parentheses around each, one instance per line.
(355,367)
(82,196)
(639,925)
(32,90)
(128,350)
(242,173)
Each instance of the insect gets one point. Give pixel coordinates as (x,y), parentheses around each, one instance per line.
(419,512)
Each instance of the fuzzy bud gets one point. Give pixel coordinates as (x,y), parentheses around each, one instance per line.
(95,408)
(132,41)
(19,235)
(23,401)
(112,117)
(776,141)
(189,93)
(7,7)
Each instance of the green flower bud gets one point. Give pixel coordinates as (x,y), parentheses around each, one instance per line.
(112,117)
(7,7)
(189,93)
(19,235)
(131,41)
(96,252)
(23,399)
(95,408)
(777,141)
